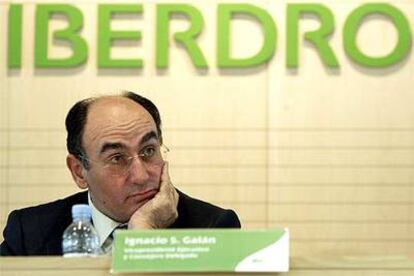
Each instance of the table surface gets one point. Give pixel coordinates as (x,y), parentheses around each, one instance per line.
(326,265)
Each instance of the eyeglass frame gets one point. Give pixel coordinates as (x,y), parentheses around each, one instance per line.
(129,159)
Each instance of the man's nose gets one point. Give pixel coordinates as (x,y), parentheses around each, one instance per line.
(137,172)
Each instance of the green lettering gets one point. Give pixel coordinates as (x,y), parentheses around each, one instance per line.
(75,23)
(106,36)
(15,36)
(187,38)
(225,14)
(318,38)
(353,23)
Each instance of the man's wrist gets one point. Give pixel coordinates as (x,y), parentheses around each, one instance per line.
(140,224)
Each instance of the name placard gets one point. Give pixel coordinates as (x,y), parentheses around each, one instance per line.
(207,250)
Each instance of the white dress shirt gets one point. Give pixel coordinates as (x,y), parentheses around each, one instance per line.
(103,224)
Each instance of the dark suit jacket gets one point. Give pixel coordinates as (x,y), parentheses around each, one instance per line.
(38,230)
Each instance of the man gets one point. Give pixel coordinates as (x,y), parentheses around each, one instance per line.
(115,152)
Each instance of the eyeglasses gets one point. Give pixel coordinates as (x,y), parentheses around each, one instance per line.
(119,163)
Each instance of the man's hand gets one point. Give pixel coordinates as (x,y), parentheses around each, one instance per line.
(160,211)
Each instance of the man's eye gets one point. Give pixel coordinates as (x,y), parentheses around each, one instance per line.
(147,152)
(117,159)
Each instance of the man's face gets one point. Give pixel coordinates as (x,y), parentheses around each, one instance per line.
(124,172)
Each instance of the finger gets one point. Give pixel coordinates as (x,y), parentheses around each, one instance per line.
(165,185)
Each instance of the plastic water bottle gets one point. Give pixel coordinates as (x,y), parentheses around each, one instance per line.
(80,238)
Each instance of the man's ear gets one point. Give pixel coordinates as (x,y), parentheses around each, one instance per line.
(77,171)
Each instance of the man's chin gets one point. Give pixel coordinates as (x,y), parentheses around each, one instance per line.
(138,204)
(141,203)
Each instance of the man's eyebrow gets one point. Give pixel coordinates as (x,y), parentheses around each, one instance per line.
(111,146)
(150,135)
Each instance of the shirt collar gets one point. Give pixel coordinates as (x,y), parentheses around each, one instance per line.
(102,223)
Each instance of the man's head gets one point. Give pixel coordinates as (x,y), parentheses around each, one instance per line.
(114,151)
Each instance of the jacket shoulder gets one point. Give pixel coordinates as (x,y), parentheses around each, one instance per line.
(29,231)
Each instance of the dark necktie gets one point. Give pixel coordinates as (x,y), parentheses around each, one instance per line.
(107,245)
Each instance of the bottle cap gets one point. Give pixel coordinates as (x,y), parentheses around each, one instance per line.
(81,210)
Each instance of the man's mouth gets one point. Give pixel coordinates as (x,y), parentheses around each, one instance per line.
(144,195)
